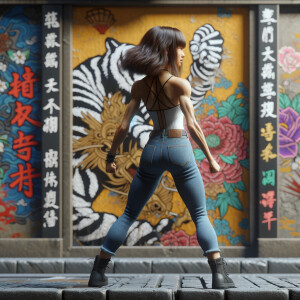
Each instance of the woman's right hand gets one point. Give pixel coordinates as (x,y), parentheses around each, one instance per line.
(214,167)
(111,167)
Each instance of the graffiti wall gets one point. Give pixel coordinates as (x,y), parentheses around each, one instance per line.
(20,125)
(216,65)
(289,125)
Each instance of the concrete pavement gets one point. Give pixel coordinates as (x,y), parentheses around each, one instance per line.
(148,286)
(147,279)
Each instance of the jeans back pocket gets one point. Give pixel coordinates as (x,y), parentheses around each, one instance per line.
(147,154)
(179,154)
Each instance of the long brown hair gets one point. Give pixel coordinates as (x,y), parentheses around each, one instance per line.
(157,48)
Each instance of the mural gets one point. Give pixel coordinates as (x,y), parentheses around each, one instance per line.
(20,132)
(216,66)
(289,125)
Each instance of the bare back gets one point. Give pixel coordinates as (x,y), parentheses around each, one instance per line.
(161,100)
(158,93)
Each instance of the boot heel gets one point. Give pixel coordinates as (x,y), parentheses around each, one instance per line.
(220,278)
(97,277)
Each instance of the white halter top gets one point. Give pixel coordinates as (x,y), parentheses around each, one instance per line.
(171,118)
(167,117)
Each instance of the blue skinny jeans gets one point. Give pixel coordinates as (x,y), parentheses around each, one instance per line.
(175,155)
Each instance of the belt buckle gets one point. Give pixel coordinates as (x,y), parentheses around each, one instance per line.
(175,133)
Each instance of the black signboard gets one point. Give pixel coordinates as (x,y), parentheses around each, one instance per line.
(267,120)
(51,53)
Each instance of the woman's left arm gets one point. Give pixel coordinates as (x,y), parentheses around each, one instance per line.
(122,130)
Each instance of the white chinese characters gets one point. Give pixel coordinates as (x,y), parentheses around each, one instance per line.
(51,20)
(51,117)
(51,159)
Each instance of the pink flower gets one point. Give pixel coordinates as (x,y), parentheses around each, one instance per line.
(289,132)
(178,238)
(226,139)
(289,59)
(193,240)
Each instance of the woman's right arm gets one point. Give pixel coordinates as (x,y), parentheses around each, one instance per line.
(195,131)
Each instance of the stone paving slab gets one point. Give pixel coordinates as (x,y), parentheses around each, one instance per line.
(147,265)
(148,286)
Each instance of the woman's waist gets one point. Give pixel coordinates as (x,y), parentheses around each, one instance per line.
(170,133)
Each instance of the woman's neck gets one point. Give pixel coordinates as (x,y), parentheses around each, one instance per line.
(164,69)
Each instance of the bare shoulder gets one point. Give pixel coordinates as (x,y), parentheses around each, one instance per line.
(137,89)
(181,85)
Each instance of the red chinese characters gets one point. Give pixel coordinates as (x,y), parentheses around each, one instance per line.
(268,199)
(24,179)
(23,145)
(22,115)
(268,218)
(25,87)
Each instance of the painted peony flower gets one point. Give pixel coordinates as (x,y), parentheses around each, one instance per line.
(288,59)
(178,238)
(193,240)
(224,139)
(289,134)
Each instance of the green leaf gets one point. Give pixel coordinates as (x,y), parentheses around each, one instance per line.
(236,203)
(4,142)
(227,110)
(237,102)
(199,155)
(284,101)
(222,112)
(220,200)
(242,110)
(10,54)
(228,159)
(245,124)
(228,187)
(223,209)
(240,185)
(230,197)
(227,105)
(231,99)
(26,53)
(245,162)
(296,103)
(231,114)
(238,119)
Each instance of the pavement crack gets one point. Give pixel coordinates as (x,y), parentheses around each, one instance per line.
(289,281)
(253,282)
(159,282)
(203,283)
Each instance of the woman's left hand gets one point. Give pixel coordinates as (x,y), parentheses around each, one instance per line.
(111,167)
(214,167)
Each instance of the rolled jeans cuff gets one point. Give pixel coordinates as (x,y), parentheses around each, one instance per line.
(105,250)
(209,251)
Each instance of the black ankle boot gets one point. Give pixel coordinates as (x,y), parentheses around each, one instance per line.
(220,278)
(97,277)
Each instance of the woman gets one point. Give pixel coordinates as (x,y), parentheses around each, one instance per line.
(167,99)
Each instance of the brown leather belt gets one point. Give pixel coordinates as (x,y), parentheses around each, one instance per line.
(171,133)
